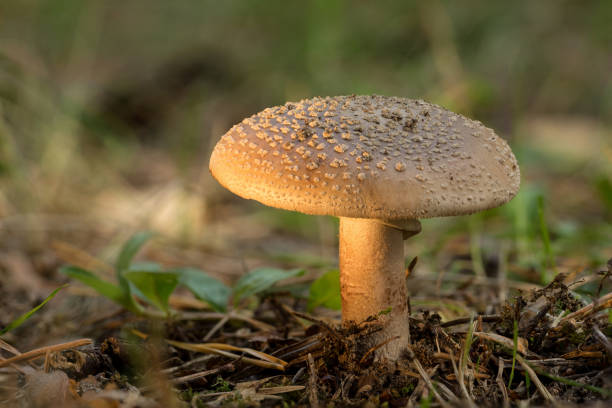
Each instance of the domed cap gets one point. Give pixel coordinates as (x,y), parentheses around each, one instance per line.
(366,157)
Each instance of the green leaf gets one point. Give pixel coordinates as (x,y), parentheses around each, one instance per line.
(205,287)
(19,321)
(145,266)
(124,260)
(106,289)
(130,249)
(548,261)
(260,279)
(155,286)
(325,291)
(140,267)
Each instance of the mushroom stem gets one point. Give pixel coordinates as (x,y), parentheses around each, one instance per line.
(372,280)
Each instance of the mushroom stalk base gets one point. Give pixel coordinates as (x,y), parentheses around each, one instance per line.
(372,280)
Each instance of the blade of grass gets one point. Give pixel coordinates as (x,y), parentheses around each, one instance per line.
(603,391)
(475,224)
(518,209)
(548,259)
(19,321)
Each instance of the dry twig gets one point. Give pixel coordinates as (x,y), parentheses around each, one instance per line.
(420,387)
(427,380)
(500,381)
(534,377)
(44,350)
(216,328)
(265,360)
(460,379)
(505,341)
(376,347)
(313,398)
(195,376)
(463,320)
(232,316)
(603,302)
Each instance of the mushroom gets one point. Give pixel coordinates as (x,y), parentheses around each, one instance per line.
(379,164)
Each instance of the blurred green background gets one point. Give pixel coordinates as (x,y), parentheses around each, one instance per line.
(109,111)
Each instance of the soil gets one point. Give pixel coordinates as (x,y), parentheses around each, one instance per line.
(131,363)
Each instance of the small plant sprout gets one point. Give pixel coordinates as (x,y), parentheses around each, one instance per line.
(379,164)
(148,283)
(21,319)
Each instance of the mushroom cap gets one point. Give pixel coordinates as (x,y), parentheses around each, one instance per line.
(366,157)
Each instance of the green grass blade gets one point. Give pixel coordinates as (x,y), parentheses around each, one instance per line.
(468,344)
(475,225)
(19,321)
(548,262)
(606,392)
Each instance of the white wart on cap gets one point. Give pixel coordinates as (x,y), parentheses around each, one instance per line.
(366,157)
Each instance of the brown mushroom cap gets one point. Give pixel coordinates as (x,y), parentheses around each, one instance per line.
(366,157)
